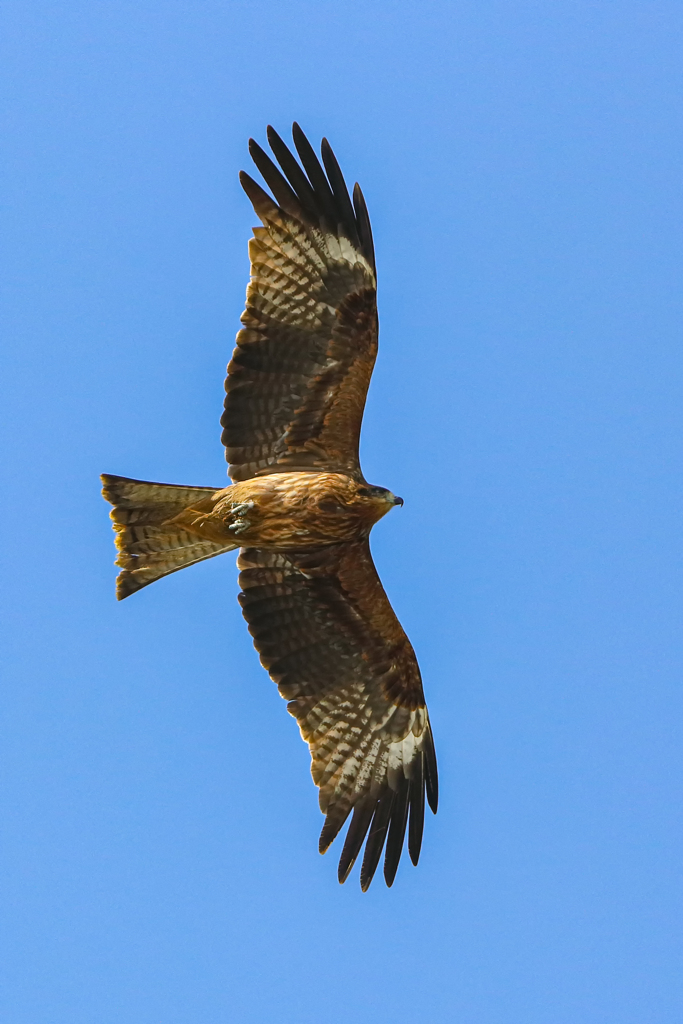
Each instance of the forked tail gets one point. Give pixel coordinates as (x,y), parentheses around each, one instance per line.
(149,545)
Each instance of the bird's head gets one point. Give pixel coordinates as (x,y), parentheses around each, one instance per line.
(377,500)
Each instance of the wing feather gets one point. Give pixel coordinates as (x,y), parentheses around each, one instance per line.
(296,177)
(299,376)
(340,193)
(316,176)
(417,799)
(278,185)
(376,837)
(355,837)
(327,634)
(397,830)
(363,222)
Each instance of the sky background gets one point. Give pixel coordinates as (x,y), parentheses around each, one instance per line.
(522,166)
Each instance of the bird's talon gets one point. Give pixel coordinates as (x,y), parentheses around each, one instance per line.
(243,507)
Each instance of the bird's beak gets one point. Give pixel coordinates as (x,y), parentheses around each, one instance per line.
(398,501)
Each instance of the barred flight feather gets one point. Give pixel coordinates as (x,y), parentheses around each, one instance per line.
(298,379)
(327,634)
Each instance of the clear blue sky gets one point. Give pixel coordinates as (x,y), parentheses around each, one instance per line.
(522,166)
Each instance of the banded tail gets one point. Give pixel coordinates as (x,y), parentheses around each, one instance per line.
(149,545)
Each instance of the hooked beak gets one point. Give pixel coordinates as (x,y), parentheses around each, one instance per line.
(398,501)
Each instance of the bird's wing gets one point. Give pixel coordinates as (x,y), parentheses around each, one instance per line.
(299,375)
(329,638)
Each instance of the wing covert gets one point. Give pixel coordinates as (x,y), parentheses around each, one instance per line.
(299,374)
(327,634)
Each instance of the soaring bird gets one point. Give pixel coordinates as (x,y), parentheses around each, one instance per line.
(300,510)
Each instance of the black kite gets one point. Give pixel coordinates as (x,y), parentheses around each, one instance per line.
(301,511)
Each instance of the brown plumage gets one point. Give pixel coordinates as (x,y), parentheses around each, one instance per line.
(301,511)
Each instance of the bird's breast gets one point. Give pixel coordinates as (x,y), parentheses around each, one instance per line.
(289,510)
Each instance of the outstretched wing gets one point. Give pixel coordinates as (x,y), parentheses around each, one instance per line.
(329,638)
(298,378)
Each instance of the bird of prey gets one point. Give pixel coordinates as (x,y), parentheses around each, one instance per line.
(300,510)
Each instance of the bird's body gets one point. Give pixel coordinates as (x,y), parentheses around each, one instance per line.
(284,510)
(301,512)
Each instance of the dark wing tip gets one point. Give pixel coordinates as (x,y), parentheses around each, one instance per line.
(345,211)
(384,818)
(334,822)
(376,837)
(276,182)
(316,175)
(397,831)
(300,184)
(431,773)
(307,191)
(363,223)
(417,809)
(260,200)
(355,837)
(298,133)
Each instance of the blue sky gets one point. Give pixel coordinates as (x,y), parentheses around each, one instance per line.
(521,163)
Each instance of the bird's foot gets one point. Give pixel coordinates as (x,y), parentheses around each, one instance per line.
(240,511)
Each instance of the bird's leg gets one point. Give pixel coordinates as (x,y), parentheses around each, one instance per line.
(240,512)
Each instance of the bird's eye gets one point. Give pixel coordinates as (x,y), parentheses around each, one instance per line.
(364,492)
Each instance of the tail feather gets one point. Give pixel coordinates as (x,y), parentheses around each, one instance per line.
(149,545)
